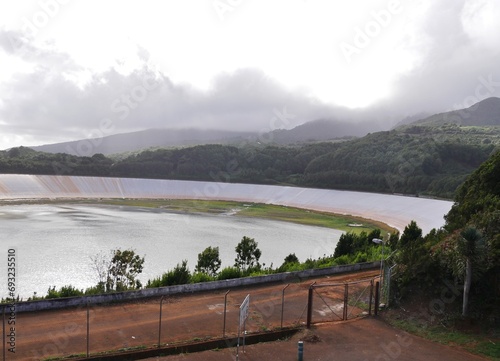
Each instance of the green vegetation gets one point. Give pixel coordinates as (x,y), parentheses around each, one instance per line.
(475,343)
(228,273)
(209,261)
(180,275)
(64,291)
(119,272)
(247,254)
(465,252)
(447,280)
(312,218)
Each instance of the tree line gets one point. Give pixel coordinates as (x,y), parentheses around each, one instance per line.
(119,271)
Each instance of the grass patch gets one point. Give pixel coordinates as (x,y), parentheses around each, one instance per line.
(257,210)
(314,218)
(480,344)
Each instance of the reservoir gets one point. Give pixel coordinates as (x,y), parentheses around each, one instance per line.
(54,243)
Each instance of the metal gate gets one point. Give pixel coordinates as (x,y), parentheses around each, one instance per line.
(340,301)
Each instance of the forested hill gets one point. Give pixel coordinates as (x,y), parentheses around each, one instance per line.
(417,160)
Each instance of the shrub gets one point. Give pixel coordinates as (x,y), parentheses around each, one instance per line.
(64,291)
(291,267)
(229,273)
(345,259)
(96,290)
(360,257)
(180,275)
(200,277)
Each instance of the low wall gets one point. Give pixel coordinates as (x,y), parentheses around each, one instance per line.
(59,303)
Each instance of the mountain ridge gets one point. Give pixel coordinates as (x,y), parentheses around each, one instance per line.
(483,113)
(312,131)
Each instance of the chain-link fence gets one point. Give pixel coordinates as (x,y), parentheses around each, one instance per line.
(158,322)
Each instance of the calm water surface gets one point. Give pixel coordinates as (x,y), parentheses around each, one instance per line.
(54,243)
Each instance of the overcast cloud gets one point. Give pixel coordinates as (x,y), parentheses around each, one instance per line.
(425,56)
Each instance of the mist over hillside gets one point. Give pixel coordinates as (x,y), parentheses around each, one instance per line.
(151,138)
(323,130)
(483,113)
(314,131)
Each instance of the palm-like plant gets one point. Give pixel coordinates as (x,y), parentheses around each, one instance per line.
(470,249)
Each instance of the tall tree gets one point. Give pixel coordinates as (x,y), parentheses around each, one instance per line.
(247,254)
(121,272)
(344,245)
(209,261)
(410,252)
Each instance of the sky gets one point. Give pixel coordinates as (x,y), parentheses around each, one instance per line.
(74,69)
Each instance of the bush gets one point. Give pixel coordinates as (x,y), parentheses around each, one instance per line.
(200,277)
(345,259)
(180,275)
(64,291)
(229,273)
(291,267)
(360,257)
(95,290)
(309,264)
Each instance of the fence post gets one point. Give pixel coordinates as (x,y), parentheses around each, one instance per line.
(389,274)
(159,326)
(371,296)
(346,298)
(283,302)
(377,297)
(225,308)
(88,329)
(3,333)
(309,305)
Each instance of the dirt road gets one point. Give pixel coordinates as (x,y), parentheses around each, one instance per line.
(366,339)
(185,317)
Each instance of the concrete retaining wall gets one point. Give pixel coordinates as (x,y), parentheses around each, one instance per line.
(397,211)
(59,303)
